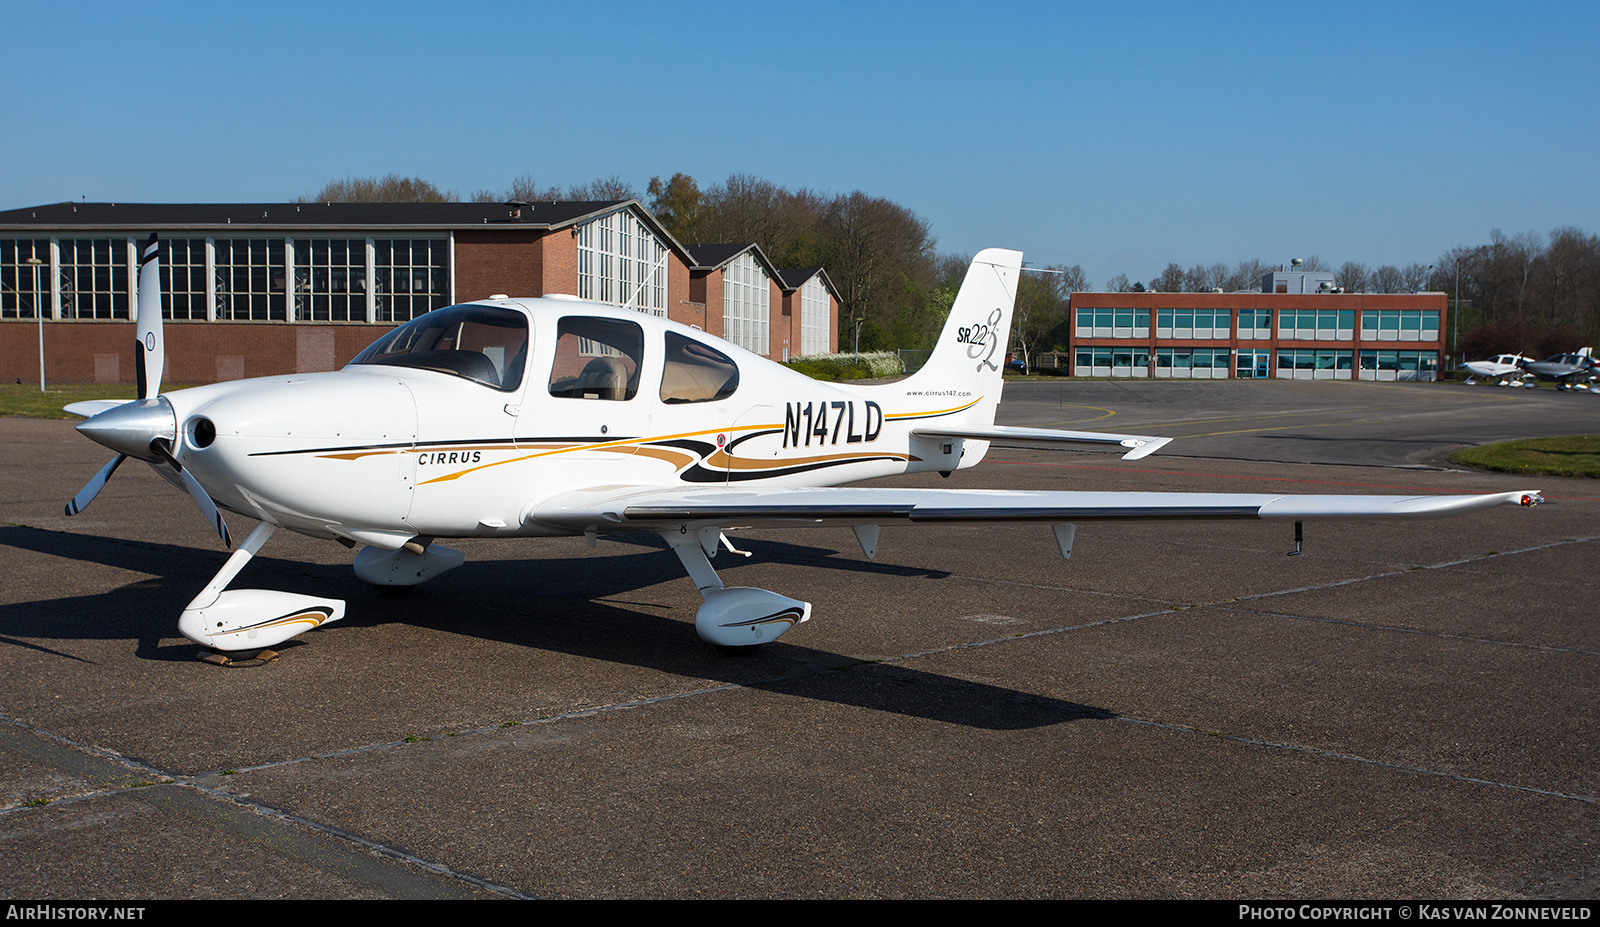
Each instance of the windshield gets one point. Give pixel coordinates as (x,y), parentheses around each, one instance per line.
(485,344)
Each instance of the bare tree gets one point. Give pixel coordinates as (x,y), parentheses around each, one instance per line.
(1071,280)
(1352,277)
(601,189)
(1387,279)
(1246,275)
(1170,280)
(1414,277)
(390,189)
(524,189)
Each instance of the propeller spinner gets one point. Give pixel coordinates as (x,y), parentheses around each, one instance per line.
(147,427)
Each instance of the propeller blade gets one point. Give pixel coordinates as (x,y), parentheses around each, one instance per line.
(196,492)
(151,352)
(92,488)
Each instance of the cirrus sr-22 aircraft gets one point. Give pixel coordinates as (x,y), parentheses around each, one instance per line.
(558,417)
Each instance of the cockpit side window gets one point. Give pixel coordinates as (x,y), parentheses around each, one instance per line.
(485,344)
(695,372)
(597,359)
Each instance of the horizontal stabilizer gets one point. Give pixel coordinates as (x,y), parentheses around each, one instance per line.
(1008,436)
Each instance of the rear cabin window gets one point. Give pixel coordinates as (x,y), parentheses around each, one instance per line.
(695,372)
(596,359)
(485,344)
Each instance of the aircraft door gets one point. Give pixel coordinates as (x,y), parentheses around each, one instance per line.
(464,464)
(752,447)
(585,404)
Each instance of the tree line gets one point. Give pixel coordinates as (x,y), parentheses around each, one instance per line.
(1530,293)
(894,287)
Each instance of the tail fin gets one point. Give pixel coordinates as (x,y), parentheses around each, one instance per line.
(970,355)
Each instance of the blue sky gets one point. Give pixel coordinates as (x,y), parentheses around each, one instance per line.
(1116,136)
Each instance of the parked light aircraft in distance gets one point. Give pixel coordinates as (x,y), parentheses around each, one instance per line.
(557,417)
(1507,367)
(1568,371)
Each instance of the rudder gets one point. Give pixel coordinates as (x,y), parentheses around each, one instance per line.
(970,355)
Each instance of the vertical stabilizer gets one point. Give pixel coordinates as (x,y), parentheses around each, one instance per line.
(970,355)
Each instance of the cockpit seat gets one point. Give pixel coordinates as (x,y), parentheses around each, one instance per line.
(603,378)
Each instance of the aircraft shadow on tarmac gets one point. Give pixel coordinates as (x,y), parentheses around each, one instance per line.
(550,604)
(1345,439)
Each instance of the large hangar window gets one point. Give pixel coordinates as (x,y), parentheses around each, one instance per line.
(814,317)
(24,287)
(250,284)
(413,276)
(746,304)
(622,263)
(183,278)
(94,275)
(330,279)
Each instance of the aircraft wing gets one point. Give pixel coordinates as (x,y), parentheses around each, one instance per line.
(846,506)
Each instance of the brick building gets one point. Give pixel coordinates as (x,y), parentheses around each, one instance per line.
(271,288)
(1299,326)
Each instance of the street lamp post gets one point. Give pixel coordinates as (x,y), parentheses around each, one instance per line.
(38,315)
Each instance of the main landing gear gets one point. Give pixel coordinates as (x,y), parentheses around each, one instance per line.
(735,620)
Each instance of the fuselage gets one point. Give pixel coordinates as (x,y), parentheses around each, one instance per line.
(1571,368)
(1501,365)
(461,422)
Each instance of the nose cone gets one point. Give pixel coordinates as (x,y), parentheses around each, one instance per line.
(129,428)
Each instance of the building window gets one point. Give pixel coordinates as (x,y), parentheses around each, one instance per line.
(1192,363)
(330,279)
(1399,365)
(1112,362)
(1399,325)
(1255,323)
(1113,322)
(250,280)
(1307,364)
(24,287)
(1254,365)
(183,278)
(1194,323)
(1317,324)
(814,316)
(94,278)
(413,277)
(622,263)
(746,304)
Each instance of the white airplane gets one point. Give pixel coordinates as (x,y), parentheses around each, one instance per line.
(1507,367)
(557,417)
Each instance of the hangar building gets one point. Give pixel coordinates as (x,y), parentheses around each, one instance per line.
(256,289)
